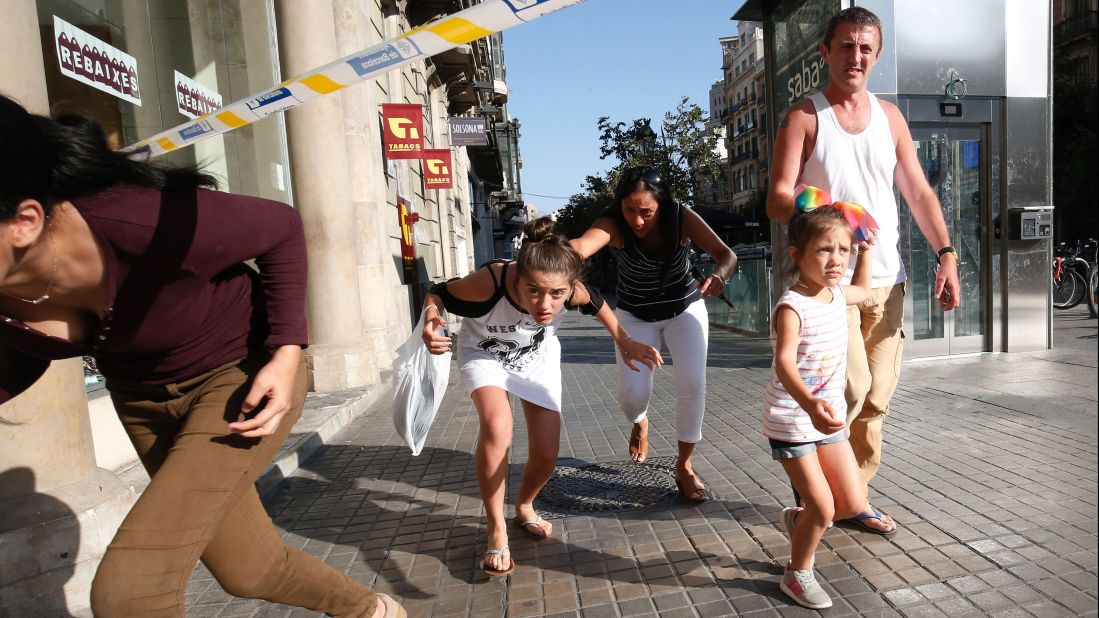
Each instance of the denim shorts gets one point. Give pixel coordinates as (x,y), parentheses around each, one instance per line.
(792,450)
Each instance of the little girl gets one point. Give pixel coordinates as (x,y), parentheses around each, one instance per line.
(805,406)
(508,345)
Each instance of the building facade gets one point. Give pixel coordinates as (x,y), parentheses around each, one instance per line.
(325,158)
(743,121)
(1075,23)
(712,191)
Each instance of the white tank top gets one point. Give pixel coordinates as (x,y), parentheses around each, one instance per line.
(859,168)
(511,337)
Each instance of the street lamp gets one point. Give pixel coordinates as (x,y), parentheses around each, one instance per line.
(648,138)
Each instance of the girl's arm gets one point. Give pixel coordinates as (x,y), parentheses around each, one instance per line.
(601,233)
(630,348)
(475,287)
(724,259)
(859,288)
(787,329)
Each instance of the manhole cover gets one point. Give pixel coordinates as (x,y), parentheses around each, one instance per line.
(608,488)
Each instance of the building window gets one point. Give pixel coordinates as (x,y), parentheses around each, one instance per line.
(229,52)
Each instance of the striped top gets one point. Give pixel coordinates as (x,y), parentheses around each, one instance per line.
(821,363)
(646,291)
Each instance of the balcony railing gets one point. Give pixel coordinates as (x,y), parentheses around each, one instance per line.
(1085,22)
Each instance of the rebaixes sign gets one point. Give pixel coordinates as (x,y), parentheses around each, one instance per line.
(87,59)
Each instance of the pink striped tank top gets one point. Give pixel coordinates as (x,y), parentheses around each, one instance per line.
(821,363)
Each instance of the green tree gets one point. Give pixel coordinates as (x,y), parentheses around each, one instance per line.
(584,208)
(683,149)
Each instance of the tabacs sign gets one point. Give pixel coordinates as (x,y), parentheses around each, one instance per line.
(437,163)
(91,61)
(193,99)
(403,130)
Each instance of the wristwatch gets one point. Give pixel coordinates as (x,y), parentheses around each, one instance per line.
(944,251)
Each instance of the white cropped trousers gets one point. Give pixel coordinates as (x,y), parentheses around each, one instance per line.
(687,337)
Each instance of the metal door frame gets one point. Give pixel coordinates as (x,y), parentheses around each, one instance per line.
(949,344)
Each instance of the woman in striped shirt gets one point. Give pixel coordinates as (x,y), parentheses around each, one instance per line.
(805,416)
(659,299)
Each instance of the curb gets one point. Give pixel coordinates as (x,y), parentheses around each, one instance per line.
(322,417)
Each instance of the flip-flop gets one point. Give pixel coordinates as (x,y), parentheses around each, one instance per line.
(638,446)
(702,492)
(859,521)
(497,552)
(537,522)
(393,609)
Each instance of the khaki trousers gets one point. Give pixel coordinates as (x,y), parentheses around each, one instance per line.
(875,341)
(202,503)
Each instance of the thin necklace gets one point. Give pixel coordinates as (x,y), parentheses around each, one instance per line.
(49,284)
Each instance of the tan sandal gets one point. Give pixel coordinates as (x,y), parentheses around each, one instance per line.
(639,446)
(697,492)
(497,552)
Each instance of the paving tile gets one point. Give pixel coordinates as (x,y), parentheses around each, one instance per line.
(996,519)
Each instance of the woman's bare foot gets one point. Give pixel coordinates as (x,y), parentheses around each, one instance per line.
(388,607)
(639,441)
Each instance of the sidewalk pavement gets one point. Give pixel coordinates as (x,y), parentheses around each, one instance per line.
(990,467)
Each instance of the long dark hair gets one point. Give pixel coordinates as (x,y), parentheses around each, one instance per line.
(547,250)
(668,212)
(58,159)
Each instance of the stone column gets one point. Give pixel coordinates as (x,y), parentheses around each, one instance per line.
(58,510)
(322,193)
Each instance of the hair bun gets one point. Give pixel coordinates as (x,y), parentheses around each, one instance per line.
(540,229)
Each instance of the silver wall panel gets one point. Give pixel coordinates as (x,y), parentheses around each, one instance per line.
(1028,280)
(883,78)
(940,35)
(1029,152)
(1027,184)
(1027,36)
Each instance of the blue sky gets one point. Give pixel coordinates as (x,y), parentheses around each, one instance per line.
(620,58)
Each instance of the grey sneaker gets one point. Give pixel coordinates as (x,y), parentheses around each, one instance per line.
(802,587)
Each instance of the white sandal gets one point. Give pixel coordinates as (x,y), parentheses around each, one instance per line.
(497,552)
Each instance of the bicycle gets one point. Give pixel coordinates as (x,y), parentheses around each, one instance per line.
(1092,277)
(1069,283)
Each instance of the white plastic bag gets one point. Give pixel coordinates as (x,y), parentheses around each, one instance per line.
(422,378)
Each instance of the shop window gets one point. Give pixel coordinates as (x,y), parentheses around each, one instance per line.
(223,47)
(798,28)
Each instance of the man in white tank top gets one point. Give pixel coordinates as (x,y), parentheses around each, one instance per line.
(854,146)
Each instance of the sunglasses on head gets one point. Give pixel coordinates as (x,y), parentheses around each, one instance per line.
(650,175)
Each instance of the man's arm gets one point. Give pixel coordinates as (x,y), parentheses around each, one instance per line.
(795,134)
(925,207)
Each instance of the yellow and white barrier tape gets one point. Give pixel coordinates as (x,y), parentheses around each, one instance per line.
(432,38)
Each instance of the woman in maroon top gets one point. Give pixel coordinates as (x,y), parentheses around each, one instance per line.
(143,268)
